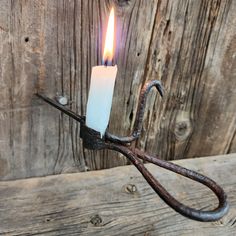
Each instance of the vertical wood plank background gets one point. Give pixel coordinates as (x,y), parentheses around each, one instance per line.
(51,45)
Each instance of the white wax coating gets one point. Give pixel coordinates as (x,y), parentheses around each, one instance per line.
(100,97)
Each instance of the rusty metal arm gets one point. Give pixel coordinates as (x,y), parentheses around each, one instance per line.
(211,215)
(139,115)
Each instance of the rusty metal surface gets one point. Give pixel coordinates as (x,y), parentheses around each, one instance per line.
(92,140)
(139,115)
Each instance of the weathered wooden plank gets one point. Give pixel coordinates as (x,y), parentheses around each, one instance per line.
(21,136)
(193,53)
(52,45)
(100,203)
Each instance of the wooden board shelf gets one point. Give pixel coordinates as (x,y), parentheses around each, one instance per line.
(51,46)
(116,201)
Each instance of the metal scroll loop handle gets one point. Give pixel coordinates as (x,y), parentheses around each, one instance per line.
(212,215)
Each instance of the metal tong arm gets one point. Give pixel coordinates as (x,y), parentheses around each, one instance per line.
(138,119)
(139,115)
(211,215)
(65,110)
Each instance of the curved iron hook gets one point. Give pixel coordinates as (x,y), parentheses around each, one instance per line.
(139,115)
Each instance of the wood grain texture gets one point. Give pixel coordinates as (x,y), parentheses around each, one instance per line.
(54,51)
(115,202)
(193,53)
(51,46)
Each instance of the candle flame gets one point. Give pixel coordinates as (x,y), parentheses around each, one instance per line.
(109,42)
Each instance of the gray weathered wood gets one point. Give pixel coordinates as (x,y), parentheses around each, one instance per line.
(51,45)
(193,53)
(102,202)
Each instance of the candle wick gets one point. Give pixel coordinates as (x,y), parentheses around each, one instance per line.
(108,63)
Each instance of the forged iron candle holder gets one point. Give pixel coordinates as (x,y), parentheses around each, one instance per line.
(92,140)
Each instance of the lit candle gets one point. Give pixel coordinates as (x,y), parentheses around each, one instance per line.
(102,85)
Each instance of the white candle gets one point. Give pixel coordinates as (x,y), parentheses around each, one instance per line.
(100,97)
(102,85)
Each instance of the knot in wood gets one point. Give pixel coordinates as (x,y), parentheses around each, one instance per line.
(96,220)
(182,130)
(182,127)
(130,188)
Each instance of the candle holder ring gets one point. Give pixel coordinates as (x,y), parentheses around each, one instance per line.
(92,140)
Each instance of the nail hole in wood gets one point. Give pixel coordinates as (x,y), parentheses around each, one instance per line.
(26,39)
(96,220)
(131,115)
